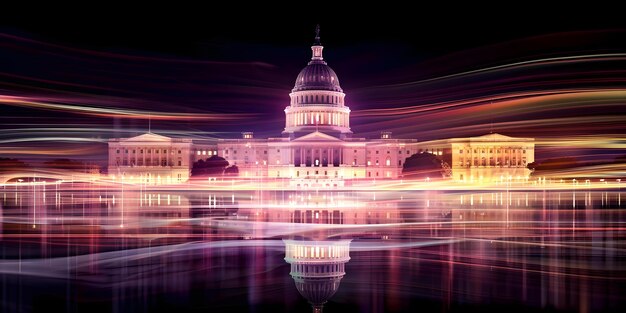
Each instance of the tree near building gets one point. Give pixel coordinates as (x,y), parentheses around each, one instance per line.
(232,170)
(423,166)
(7,165)
(553,167)
(213,166)
(71,166)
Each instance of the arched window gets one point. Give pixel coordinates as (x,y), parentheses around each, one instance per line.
(388,161)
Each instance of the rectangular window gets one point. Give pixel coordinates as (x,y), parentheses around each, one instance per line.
(180,163)
(164,151)
(460,151)
(179,151)
(376,151)
(118,151)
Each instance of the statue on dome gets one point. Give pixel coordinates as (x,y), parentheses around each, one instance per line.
(317,35)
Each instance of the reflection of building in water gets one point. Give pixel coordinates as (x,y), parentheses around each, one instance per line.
(317,267)
(135,209)
(320,208)
(212,204)
(487,158)
(144,209)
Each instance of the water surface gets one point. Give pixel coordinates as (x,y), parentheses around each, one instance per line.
(90,249)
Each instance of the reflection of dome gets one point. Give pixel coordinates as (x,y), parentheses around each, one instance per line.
(317,291)
(317,76)
(317,267)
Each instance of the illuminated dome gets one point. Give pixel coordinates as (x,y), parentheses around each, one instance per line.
(317,76)
(317,100)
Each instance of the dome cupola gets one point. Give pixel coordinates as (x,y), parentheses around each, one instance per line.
(317,75)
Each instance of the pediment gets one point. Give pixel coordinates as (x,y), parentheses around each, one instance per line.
(495,137)
(317,136)
(149,137)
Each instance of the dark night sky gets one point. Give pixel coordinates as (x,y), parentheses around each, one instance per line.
(222,62)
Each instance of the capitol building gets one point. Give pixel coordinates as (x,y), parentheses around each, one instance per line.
(317,146)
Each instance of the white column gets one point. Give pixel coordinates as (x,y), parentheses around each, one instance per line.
(321,157)
(331,157)
(340,156)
